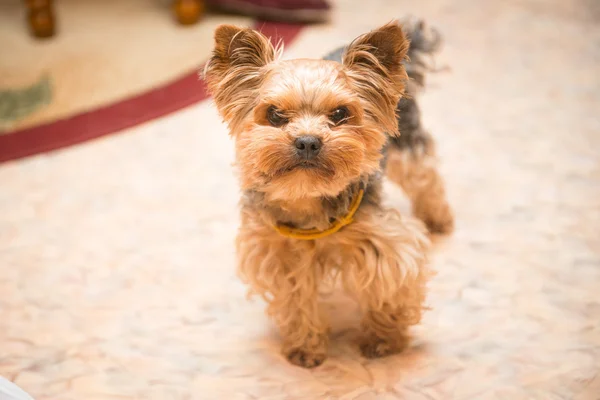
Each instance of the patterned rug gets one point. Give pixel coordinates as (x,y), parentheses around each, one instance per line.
(100,77)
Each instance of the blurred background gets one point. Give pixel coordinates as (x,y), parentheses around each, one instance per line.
(118,205)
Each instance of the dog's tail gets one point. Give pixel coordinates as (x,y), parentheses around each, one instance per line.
(424,42)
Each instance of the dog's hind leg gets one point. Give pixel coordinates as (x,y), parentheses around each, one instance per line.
(411,163)
(416,172)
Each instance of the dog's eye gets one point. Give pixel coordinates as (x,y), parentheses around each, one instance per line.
(275,118)
(339,115)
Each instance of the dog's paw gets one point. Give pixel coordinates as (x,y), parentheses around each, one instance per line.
(376,347)
(440,227)
(440,222)
(305,359)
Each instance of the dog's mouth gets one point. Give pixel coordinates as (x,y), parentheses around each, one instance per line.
(307,165)
(304,165)
(299,165)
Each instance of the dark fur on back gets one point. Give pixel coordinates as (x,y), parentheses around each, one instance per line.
(424,41)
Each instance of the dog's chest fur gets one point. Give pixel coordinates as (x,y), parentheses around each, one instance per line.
(317,212)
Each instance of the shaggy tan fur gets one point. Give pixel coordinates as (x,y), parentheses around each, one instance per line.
(380,257)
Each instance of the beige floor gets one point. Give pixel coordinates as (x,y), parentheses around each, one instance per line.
(117,266)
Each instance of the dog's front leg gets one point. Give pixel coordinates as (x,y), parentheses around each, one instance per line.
(301,325)
(285,274)
(385,269)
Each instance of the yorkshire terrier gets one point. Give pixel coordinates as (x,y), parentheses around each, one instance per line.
(313,139)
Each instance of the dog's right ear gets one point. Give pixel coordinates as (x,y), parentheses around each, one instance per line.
(239,47)
(235,70)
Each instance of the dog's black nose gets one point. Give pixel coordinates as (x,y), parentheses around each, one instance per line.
(308,146)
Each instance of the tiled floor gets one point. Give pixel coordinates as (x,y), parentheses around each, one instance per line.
(117,267)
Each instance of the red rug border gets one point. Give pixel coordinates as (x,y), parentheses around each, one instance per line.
(154,103)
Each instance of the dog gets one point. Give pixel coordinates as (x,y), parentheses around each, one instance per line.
(313,139)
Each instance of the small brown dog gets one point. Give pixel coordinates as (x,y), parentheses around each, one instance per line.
(310,141)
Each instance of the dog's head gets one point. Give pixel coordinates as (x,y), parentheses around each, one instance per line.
(307,128)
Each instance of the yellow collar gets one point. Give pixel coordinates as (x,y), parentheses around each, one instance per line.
(311,234)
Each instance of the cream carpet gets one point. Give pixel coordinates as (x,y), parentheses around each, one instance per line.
(116,258)
(104,51)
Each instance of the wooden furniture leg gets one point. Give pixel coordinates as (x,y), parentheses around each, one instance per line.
(41,18)
(188,12)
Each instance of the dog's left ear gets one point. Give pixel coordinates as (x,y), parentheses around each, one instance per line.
(374,62)
(235,70)
(382,50)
